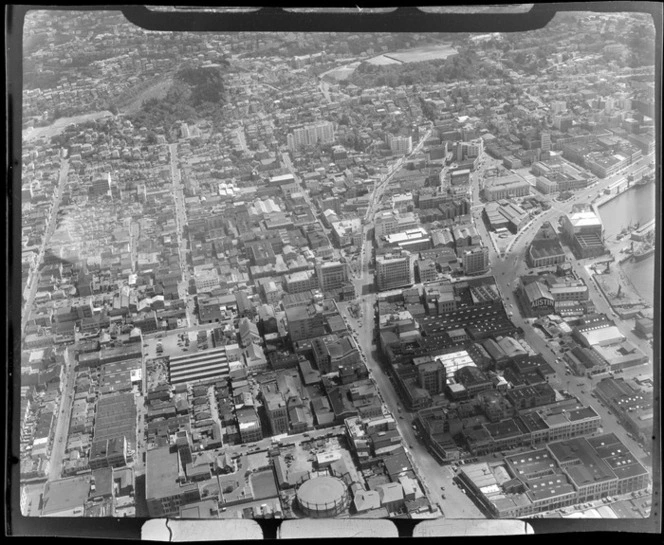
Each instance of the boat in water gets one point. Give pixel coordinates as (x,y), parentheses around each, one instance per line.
(645,180)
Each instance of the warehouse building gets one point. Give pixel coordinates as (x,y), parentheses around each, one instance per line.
(210,364)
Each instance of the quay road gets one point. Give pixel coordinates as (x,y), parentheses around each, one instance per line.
(50,229)
(507,271)
(456,504)
(562,208)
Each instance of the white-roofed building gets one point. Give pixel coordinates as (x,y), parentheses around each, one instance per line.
(604,336)
(455,361)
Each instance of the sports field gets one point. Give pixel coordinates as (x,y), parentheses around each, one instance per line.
(424,53)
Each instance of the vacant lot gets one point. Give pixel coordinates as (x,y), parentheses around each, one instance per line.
(263,485)
(60,124)
(131,104)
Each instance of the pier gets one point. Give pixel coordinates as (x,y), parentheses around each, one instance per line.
(642,232)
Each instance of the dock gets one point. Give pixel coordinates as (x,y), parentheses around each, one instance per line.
(642,232)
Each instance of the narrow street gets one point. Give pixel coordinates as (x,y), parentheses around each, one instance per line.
(62,418)
(50,229)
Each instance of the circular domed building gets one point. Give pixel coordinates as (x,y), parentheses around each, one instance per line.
(323,496)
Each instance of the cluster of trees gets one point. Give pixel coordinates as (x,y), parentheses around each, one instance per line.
(195,93)
(463,66)
(206,83)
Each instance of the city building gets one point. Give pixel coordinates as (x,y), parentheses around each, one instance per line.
(545,248)
(561,474)
(305,322)
(391,221)
(331,275)
(347,232)
(249,425)
(632,405)
(301,281)
(412,241)
(310,135)
(401,145)
(109,453)
(431,375)
(426,270)
(212,364)
(505,187)
(583,231)
(394,271)
(165,492)
(475,260)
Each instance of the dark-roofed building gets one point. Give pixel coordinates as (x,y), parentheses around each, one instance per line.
(108,453)
(102,483)
(305,322)
(116,418)
(66,497)
(435,431)
(523,397)
(164,491)
(332,352)
(561,474)
(480,321)
(591,476)
(203,365)
(473,380)
(535,296)
(543,253)
(585,361)
(633,406)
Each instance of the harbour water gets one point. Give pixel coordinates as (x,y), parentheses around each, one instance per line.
(635,205)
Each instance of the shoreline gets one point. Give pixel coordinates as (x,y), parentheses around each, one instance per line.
(628,280)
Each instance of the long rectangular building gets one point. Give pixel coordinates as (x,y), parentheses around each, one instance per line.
(561,474)
(479,321)
(202,365)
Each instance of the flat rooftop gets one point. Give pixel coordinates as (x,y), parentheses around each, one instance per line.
(161,474)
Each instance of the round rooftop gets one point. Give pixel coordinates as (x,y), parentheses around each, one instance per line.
(324,491)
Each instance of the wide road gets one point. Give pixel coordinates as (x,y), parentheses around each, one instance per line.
(432,475)
(583,196)
(50,229)
(180,223)
(62,420)
(429,470)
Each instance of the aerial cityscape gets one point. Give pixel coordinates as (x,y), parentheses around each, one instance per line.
(281,275)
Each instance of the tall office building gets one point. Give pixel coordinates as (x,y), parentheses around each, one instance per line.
(305,322)
(183,445)
(331,276)
(311,134)
(558,106)
(431,376)
(394,271)
(400,144)
(475,260)
(545,141)
(277,413)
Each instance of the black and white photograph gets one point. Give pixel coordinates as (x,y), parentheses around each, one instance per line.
(328,273)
